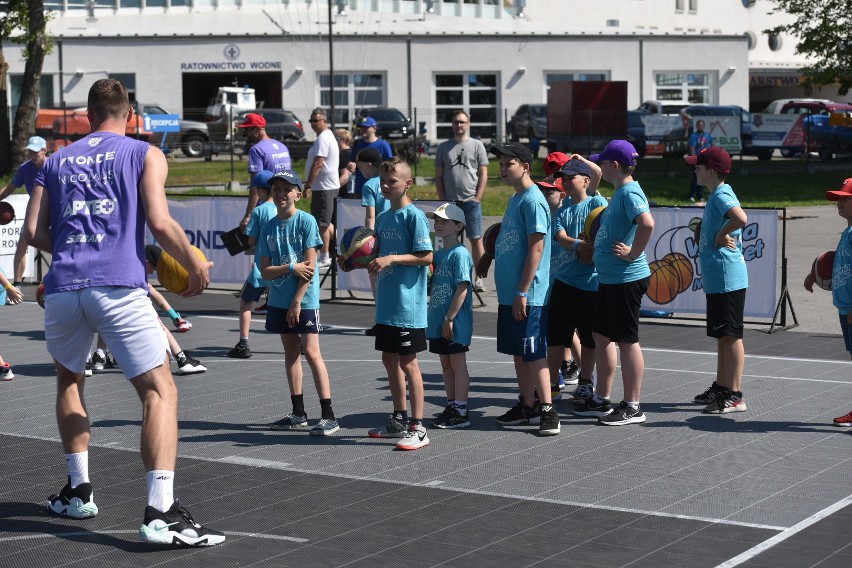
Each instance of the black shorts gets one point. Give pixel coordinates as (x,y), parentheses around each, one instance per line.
(276,321)
(250,293)
(570,309)
(617,310)
(725,314)
(322,206)
(400,340)
(441,346)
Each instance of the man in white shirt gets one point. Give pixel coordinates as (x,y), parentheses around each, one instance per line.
(322,182)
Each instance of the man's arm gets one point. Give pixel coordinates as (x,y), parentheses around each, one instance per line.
(37,222)
(7,191)
(481,182)
(166,230)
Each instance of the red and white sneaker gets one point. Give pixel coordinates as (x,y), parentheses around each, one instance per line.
(845,420)
(181,325)
(415,438)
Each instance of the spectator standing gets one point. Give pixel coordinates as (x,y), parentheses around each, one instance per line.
(367,130)
(265,154)
(698,141)
(322,183)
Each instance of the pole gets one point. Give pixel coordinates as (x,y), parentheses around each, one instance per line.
(330,70)
(62,100)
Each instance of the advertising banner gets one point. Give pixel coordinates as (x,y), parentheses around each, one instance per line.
(9,235)
(676,273)
(725,130)
(777,130)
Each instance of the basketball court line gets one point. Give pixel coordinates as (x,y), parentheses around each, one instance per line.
(785,534)
(130,531)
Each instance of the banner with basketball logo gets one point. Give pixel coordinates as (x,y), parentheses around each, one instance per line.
(9,236)
(350,214)
(672,254)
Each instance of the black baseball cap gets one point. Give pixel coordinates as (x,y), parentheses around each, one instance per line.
(514,149)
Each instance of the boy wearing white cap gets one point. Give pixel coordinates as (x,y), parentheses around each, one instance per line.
(450,317)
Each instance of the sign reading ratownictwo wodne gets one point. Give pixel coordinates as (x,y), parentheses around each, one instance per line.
(676,279)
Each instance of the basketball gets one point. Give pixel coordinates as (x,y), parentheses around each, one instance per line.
(172,275)
(822,269)
(593,223)
(40,295)
(7,213)
(359,247)
(664,284)
(489,239)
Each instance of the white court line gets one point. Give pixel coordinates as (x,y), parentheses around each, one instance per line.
(781,537)
(125,531)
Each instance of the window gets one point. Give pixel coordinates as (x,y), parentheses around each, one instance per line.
(352,91)
(476,93)
(751,39)
(129,82)
(685,87)
(575,76)
(774,42)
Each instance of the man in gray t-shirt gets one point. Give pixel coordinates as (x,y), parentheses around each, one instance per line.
(461,173)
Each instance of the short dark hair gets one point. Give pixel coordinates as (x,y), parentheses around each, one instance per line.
(108,99)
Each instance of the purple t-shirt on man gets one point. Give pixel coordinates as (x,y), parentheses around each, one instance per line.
(25,176)
(269,155)
(97,222)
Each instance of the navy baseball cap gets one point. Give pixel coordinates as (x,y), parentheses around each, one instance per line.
(514,149)
(290,176)
(261,179)
(367,121)
(576,167)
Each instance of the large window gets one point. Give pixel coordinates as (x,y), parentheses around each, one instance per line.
(685,87)
(352,91)
(475,93)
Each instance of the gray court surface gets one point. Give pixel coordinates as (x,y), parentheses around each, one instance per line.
(766,488)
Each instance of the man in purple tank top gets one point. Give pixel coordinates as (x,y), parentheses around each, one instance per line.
(266,153)
(90,203)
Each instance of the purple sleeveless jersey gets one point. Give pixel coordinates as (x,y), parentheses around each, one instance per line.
(97,222)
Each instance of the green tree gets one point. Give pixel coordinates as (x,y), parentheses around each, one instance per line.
(823,28)
(23,22)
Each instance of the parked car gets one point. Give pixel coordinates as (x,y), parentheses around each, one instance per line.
(821,107)
(191,138)
(529,121)
(775,107)
(281,125)
(636,130)
(693,112)
(391,123)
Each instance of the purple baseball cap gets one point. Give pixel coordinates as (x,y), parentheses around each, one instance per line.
(620,151)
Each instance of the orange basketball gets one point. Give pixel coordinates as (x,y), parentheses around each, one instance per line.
(664,284)
(680,262)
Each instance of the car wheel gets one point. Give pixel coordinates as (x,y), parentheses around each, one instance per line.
(786,153)
(765,154)
(825,152)
(192,145)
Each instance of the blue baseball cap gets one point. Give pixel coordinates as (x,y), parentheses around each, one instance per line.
(367,121)
(261,179)
(36,144)
(290,176)
(576,167)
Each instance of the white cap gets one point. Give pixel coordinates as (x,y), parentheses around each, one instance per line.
(448,211)
(37,144)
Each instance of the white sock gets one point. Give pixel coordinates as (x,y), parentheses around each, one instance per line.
(633,405)
(78,468)
(161,489)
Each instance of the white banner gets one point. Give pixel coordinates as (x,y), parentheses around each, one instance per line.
(351,214)
(203,220)
(725,130)
(9,235)
(777,130)
(676,273)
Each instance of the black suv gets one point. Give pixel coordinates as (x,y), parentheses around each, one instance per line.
(529,121)
(390,122)
(280,124)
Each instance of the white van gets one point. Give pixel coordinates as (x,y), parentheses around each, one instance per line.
(231,99)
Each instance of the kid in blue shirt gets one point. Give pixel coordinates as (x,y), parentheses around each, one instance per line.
(450,317)
(841,275)
(724,277)
(287,249)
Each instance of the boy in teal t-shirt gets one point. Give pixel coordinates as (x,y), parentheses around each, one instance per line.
(522,276)
(287,249)
(623,276)
(724,277)
(841,274)
(450,318)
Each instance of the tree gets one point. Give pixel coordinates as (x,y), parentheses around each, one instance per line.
(823,28)
(24,22)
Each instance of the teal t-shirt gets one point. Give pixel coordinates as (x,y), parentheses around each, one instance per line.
(401,290)
(571,218)
(371,196)
(526,214)
(453,266)
(285,242)
(841,276)
(722,269)
(618,224)
(261,214)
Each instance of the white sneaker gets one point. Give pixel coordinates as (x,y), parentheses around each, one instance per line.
(415,438)
(324,262)
(479,285)
(190,366)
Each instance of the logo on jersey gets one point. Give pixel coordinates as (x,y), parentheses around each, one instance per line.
(83,238)
(91,207)
(95,141)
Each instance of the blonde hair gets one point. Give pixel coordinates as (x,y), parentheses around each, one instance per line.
(343,134)
(396,164)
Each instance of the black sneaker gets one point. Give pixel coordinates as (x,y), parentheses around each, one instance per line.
(98,362)
(710,395)
(549,425)
(451,419)
(520,414)
(240,352)
(570,372)
(77,503)
(589,407)
(622,416)
(176,526)
(109,361)
(87,372)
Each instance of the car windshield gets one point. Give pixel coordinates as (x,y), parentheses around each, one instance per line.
(387,115)
(538,111)
(635,119)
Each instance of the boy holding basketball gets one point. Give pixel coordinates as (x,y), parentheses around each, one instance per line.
(841,282)
(623,276)
(522,274)
(405,250)
(287,248)
(724,277)
(450,318)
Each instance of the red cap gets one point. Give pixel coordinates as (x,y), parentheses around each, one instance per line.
(844,191)
(554,162)
(253,120)
(547,186)
(714,157)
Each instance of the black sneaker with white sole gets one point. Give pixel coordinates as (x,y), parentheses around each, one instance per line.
(176,527)
(549,425)
(77,503)
(622,416)
(711,394)
(589,407)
